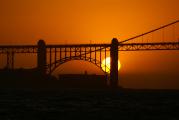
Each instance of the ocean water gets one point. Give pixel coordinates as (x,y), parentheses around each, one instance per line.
(88,104)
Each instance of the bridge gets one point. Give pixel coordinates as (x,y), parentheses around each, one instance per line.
(49,57)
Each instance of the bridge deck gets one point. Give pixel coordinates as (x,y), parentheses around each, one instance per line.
(122,47)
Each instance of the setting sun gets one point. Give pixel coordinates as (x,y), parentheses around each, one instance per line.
(106,67)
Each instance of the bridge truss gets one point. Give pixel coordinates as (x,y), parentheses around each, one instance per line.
(95,53)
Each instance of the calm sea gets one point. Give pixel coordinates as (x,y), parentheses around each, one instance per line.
(88,104)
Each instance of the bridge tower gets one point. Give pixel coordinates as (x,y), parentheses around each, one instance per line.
(41,57)
(114,63)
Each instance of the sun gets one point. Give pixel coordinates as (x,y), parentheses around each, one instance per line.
(107,67)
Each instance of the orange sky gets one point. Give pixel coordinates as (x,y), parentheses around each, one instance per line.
(96,21)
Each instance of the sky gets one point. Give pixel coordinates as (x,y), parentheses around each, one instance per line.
(95,21)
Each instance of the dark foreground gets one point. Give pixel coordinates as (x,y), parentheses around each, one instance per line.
(89,104)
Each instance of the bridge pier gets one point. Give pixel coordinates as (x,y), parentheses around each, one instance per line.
(114,63)
(41,58)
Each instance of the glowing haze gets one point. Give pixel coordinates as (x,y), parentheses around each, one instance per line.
(96,21)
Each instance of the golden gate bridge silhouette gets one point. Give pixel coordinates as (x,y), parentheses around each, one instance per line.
(49,57)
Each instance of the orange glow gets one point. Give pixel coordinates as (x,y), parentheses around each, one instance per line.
(94,21)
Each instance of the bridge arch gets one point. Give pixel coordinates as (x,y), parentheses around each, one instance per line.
(53,66)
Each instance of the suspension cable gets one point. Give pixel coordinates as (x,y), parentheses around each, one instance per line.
(150,31)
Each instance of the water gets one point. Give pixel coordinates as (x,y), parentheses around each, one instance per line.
(88,104)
